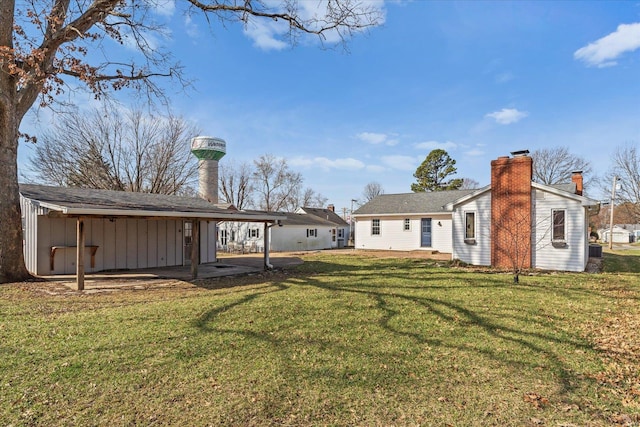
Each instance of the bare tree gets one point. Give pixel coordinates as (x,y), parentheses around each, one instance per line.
(555,165)
(372,190)
(515,233)
(107,149)
(44,45)
(469,184)
(626,167)
(307,197)
(236,186)
(274,183)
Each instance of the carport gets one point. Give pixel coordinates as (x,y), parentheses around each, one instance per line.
(147,228)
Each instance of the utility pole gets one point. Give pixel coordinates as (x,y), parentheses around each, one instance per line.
(613,197)
(351,223)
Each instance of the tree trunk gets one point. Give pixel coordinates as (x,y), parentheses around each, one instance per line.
(12,266)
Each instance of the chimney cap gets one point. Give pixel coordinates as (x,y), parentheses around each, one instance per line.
(519,153)
(579,172)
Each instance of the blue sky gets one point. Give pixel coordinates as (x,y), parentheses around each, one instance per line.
(479,79)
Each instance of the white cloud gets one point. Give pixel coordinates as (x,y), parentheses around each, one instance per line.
(375,168)
(191,28)
(404,163)
(432,145)
(376,138)
(507,116)
(504,77)
(265,33)
(270,34)
(604,51)
(474,153)
(164,7)
(325,163)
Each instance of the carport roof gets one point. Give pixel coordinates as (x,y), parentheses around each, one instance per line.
(72,201)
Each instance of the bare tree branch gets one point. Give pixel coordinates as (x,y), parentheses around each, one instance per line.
(555,165)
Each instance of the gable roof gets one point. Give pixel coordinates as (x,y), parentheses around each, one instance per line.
(85,201)
(411,203)
(306,220)
(323,213)
(563,190)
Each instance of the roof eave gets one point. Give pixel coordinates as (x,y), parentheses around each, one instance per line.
(231,216)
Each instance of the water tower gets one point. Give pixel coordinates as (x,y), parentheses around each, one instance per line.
(208,150)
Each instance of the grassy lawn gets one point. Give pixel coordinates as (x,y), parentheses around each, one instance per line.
(341,340)
(621,260)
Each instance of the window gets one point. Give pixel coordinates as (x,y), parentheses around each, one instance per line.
(333,234)
(312,232)
(469,227)
(254,232)
(559,225)
(375,227)
(340,233)
(188,232)
(407,224)
(223,237)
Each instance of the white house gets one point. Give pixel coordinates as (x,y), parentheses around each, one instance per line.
(306,229)
(404,222)
(119,230)
(512,223)
(620,235)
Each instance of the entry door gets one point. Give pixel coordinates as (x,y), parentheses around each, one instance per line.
(425,239)
(187,227)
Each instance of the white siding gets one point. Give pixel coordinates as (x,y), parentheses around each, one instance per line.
(573,256)
(294,238)
(208,239)
(122,243)
(30,236)
(478,253)
(393,236)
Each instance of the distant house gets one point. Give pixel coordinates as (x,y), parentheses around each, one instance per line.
(306,229)
(119,230)
(513,221)
(620,235)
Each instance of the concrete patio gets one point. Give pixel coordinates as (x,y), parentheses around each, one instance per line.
(141,278)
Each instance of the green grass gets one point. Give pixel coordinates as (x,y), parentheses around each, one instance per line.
(340,341)
(621,260)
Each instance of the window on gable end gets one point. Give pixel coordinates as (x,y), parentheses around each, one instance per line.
(559,231)
(470,227)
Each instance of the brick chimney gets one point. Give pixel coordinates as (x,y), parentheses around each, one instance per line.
(511,211)
(331,208)
(576,178)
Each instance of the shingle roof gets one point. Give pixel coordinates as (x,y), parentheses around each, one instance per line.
(411,203)
(326,214)
(305,219)
(569,187)
(77,200)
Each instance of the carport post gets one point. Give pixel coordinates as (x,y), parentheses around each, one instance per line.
(80,254)
(267,264)
(195,248)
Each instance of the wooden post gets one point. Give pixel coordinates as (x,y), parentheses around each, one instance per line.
(80,255)
(195,248)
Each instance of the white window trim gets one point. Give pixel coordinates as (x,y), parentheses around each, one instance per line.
(562,241)
(379,227)
(470,240)
(404,224)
